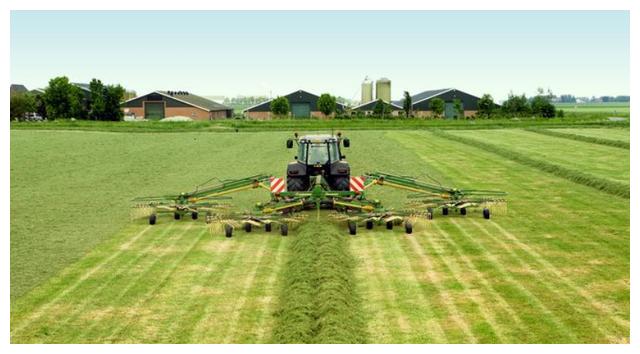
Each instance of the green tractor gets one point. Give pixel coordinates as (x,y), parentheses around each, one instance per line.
(320,178)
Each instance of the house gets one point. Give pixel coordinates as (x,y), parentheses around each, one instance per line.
(302,103)
(162,104)
(420,102)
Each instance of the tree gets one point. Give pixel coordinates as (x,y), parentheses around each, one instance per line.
(97,107)
(436,106)
(407,104)
(381,109)
(62,99)
(457,106)
(326,104)
(280,106)
(486,106)
(20,104)
(113,95)
(516,106)
(542,107)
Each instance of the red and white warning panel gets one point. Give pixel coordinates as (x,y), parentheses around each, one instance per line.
(277,185)
(356,184)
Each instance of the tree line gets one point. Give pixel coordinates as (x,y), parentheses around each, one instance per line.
(63,99)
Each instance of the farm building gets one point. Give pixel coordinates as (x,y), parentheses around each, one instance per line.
(17,88)
(302,103)
(420,102)
(162,104)
(368,108)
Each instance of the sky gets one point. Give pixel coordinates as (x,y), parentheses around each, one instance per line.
(585,53)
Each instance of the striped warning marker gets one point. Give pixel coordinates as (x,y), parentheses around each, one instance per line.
(356,184)
(277,185)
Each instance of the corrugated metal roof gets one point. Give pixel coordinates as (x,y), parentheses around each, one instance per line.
(196,100)
(426,94)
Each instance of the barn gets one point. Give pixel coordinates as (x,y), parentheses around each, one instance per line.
(302,104)
(367,108)
(162,104)
(420,102)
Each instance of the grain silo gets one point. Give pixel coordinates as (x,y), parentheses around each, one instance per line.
(367,91)
(383,89)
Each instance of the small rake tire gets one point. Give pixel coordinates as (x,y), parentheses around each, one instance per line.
(408,227)
(284,229)
(389,225)
(486,213)
(228,230)
(353,228)
(267,227)
(152,219)
(463,211)
(429,213)
(176,216)
(247,227)
(445,211)
(194,215)
(369,224)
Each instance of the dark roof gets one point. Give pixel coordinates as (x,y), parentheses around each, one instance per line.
(426,94)
(195,100)
(82,86)
(295,96)
(17,88)
(369,106)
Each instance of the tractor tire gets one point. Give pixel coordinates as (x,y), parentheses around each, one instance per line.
(352,227)
(284,229)
(247,227)
(408,227)
(194,215)
(486,213)
(341,184)
(267,227)
(295,184)
(369,224)
(176,215)
(445,211)
(389,225)
(463,211)
(228,230)
(152,219)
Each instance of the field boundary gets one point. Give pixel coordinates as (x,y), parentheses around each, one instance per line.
(607,186)
(583,138)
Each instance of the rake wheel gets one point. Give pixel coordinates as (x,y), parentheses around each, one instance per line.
(352,227)
(486,213)
(228,230)
(152,219)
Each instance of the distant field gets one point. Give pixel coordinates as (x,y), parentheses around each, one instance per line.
(622,134)
(553,269)
(609,107)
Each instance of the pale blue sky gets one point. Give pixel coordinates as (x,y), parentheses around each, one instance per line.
(258,53)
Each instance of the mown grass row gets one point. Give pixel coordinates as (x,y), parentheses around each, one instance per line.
(583,138)
(318,301)
(611,187)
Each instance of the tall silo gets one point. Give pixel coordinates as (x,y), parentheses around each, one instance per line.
(383,89)
(367,91)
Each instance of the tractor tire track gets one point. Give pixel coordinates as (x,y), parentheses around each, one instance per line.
(532,298)
(38,312)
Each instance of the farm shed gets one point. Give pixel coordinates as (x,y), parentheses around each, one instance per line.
(162,104)
(368,107)
(302,104)
(420,102)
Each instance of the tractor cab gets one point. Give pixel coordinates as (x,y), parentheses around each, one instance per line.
(318,155)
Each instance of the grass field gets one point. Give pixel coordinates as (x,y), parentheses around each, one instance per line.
(613,108)
(621,134)
(554,269)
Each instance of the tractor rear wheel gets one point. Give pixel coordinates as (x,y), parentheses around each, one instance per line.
(295,184)
(463,211)
(445,211)
(194,215)
(486,213)
(408,228)
(267,227)
(152,219)
(369,224)
(389,225)
(284,229)
(176,215)
(352,227)
(247,227)
(228,230)
(341,183)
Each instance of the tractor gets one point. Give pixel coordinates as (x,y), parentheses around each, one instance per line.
(319,178)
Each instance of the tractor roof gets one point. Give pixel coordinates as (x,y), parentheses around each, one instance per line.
(320,138)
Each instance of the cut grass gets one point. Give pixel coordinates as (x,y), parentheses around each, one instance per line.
(618,134)
(318,300)
(609,186)
(578,137)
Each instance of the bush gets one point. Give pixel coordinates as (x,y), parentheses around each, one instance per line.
(280,106)
(20,104)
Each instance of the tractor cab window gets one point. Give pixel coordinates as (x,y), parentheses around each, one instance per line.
(318,153)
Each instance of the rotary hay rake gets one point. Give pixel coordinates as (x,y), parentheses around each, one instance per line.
(316,181)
